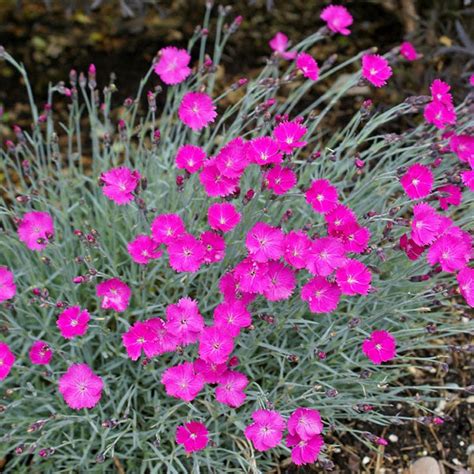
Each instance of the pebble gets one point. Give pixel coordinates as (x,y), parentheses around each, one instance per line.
(425,465)
(393,438)
(366,460)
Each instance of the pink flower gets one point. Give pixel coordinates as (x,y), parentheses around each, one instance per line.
(211,373)
(263,151)
(425,225)
(183,321)
(354,237)
(165,228)
(232,159)
(417,181)
(308,66)
(451,195)
(141,336)
(115,294)
(7,359)
(322,196)
(264,242)
(193,436)
(252,276)
(408,51)
(230,390)
(197,110)
(321,296)
(119,184)
(440,92)
(280,179)
(451,251)
(215,345)
(279,44)
(223,216)
(468,179)
(231,317)
(305,423)
(73,322)
(215,183)
(214,245)
(181,381)
(282,282)
(160,340)
(353,278)
(40,353)
(339,218)
(35,229)
(326,255)
(409,246)
(380,347)
(7,284)
(296,248)
(440,114)
(466,284)
(143,249)
(267,430)
(304,451)
(80,387)
(190,158)
(288,135)
(376,69)
(172,66)
(471,79)
(186,253)
(337,18)
(463,146)
(229,286)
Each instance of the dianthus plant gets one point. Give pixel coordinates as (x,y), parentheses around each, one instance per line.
(212,278)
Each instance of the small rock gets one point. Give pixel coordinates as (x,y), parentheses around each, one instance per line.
(393,438)
(366,460)
(426,465)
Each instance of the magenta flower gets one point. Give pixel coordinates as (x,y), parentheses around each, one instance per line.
(296,248)
(190,158)
(337,18)
(466,284)
(321,296)
(181,381)
(263,151)
(115,294)
(408,51)
(322,196)
(308,66)
(380,347)
(425,225)
(353,278)
(232,159)
(7,359)
(354,237)
(326,255)
(143,249)
(267,430)
(193,436)
(230,390)
(197,110)
(7,284)
(73,322)
(161,340)
(80,387)
(288,136)
(451,195)
(279,43)
(264,242)
(410,247)
(440,114)
(440,92)
(282,282)
(183,321)
(463,146)
(229,286)
(304,451)
(36,229)
(215,183)
(215,345)
(214,245)
(231,317)
(339,218)
(119,184)
(305,423)
(211,373)
(252,276)
(280,179)
(186,253)
(223,216)
(417,181)
(376,69)
(172,66)
(165,228)
(40,353)
(467,178)
(451,251)
(141,336)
